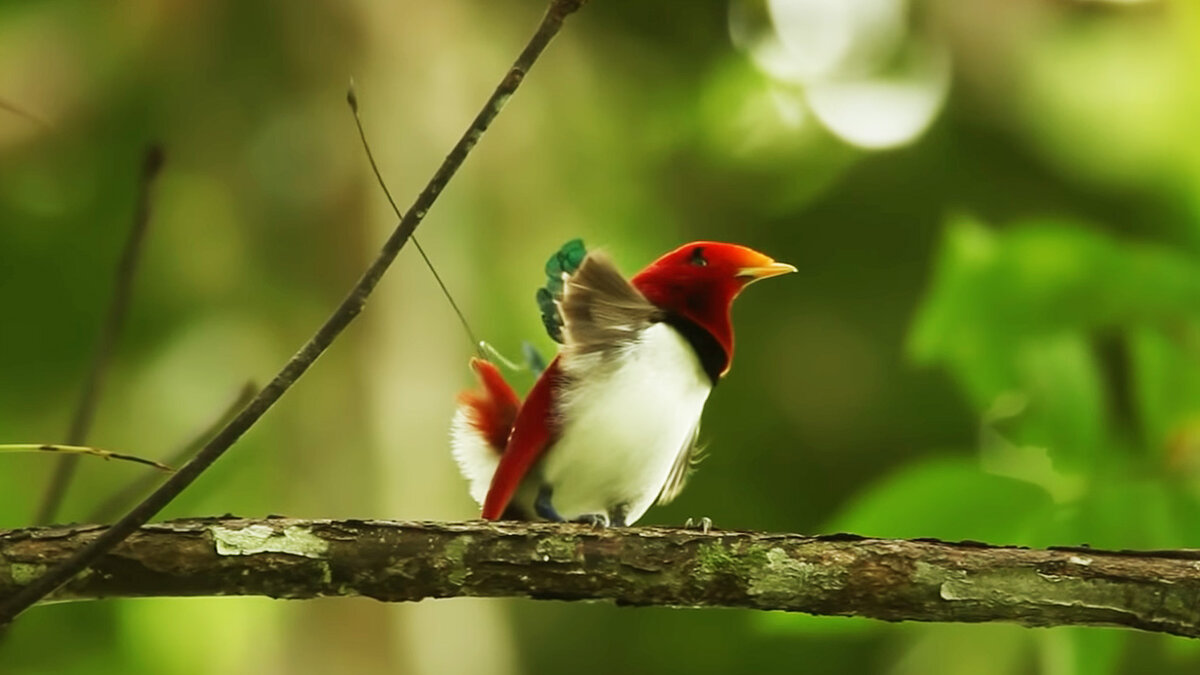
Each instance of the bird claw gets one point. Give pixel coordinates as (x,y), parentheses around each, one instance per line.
(599,520)
(703,524)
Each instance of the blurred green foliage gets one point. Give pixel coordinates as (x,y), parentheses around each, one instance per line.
(1060,337)
(994,334)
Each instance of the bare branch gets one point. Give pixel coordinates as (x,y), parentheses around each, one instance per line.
(89,396)
(350,307)
(845,575)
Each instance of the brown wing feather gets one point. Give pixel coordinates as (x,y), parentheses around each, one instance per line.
(601,310)
(685,462)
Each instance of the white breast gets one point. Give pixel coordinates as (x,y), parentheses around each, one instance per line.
(625,424)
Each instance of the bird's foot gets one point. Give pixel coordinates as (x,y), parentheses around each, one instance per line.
(704,524)
(544,507)
(593,519)
(618,515)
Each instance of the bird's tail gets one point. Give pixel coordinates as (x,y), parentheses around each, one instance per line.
(481,426)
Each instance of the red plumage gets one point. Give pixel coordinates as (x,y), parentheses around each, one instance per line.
(532,434)
(493,408)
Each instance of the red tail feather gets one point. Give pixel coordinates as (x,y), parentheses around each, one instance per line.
(493,409)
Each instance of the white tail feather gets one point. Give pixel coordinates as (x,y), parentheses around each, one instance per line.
(476,459)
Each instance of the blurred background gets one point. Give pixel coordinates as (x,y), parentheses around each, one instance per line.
(994,206)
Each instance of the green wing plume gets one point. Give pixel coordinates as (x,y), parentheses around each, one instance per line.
(562,264)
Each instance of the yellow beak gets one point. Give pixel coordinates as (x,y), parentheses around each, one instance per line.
(771,269)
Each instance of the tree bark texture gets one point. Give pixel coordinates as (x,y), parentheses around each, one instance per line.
(893,580)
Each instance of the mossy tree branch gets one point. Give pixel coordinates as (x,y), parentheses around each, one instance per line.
(893,580)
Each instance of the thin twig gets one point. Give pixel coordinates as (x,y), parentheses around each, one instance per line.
(352,100)
(118,502)
(349,308)
(89,397)
(24,114)
(78,450)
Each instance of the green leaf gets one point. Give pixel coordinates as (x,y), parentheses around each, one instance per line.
(947,498)
(1165,366)
(1066,411)
(995,292)
(1016,312)
(1123,511)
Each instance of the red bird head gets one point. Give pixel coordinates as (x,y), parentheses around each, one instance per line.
(698,282)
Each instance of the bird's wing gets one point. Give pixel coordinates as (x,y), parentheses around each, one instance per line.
(685,462)
(602,312)
(533,432)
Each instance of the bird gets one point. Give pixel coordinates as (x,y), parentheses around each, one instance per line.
(611,424)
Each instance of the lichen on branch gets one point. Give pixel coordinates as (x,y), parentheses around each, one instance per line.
(847,575)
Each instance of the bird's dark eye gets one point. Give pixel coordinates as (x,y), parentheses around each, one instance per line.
(697,258)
